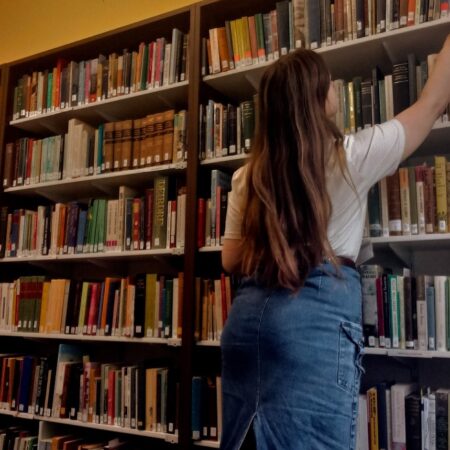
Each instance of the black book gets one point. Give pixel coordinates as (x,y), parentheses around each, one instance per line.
(360,19)
(414,308)
(73,307)
(73,391)
(18,363)
(386,311)
(412,79)
(113,287)
(132,413)
(358,102)
(400,81)
(283,26)
(377,75)
(381,16)
(395,16)
(212,407)
(382,415)
(184,57)
(3,223)
(441,419)
(409,334)
(46,241)
(314,23)
(139,306)
(413,422)
(367,103)
(232,129)
(40,389)
(61,158)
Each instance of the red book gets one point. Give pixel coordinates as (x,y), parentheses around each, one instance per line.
(59,68)
(201,206)
(93,309)
(136,222)
(111,396)
(151,55)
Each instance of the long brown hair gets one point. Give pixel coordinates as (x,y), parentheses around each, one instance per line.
(287,207)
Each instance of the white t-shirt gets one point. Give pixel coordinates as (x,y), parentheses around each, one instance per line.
(372,154)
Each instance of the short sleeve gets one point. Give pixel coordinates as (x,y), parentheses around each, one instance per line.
(235,205)
(376,152)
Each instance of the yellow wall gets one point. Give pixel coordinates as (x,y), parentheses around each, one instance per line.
(28,27)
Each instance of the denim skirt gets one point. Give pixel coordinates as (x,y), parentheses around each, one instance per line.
(291,364)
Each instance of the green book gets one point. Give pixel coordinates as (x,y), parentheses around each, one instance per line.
(358,102)
(144,69)
(49,91)
(382,95)
(248,124)
(394,310)
(83,304)
(161,189)
(169,308)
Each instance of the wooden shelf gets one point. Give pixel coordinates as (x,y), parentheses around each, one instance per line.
(383,49)
(402,353)
(96,426)
(174,342)
(208,343)
(209,444)
(233,161)
(211,249)
(88,186)
(132,254)
(134,105)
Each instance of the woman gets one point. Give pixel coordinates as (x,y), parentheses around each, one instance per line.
(292,344)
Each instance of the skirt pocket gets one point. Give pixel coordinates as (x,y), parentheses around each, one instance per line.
(350,354)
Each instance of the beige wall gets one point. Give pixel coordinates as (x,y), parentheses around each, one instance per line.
(28,27)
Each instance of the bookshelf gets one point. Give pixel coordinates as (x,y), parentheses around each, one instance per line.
(189,356)
(178,94)
(425,253)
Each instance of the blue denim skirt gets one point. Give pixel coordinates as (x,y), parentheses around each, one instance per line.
(291,364)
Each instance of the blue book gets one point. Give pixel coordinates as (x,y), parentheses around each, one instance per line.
(25,383)
(431,317)
(81,230)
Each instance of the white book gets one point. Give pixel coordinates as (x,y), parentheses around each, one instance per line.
(214,44)
(440,302)
(167,52)
(422,328)
(362,429)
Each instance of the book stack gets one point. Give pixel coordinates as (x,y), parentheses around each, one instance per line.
(84,150)
(74,83)
(18,437)
(405,311)
(74,387)
(206,408)
(400,415)
(212,212)
(131,222)
(266,36)
(226,130)
(366,101)
(145,305)
(213,299)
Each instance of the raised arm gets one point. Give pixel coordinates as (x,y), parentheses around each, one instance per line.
(419,118)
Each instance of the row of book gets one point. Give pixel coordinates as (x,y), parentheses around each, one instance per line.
(213,300)
(206,408)
(131,222)
(84,150)
(292,24)
(147,305)
(226,129)
(405,311)
(363,102)
(75,83)
(21,438)
(142,397)
(75,442)
(18,438)
(212,211)
(400,415)
(414,200)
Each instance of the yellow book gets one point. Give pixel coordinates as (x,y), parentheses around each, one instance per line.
(150,399)
(44,303)
(351,107)
(235,43)
(440,174)
(82,314)
(246,41)
(404,200)
(372,409)
(240,40)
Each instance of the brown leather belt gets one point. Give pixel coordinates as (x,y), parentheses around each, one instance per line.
(344,261)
